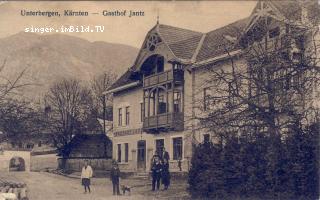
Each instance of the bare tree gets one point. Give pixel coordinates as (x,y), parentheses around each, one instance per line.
(272,88)
(15,115)
(68,110)
(267,89)
(99,85)
(9,86)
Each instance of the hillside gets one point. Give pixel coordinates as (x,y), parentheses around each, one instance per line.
(48,58)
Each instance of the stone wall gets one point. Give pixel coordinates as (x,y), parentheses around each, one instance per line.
(76,164)
(6,156)
(42,162)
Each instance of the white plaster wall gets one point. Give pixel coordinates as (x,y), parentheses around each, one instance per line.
(131,98)
(150,139)
(6,156)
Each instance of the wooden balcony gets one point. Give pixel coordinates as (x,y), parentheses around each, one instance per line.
(165,121)
(163,77)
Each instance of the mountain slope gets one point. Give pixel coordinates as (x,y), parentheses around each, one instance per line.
(47,58)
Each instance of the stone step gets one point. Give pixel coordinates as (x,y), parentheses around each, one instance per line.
(141,175)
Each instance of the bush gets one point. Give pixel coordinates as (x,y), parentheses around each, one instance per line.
(261,167)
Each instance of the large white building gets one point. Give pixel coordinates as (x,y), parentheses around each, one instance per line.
(154,102)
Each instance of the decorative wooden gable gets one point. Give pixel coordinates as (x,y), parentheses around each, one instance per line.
(153,44)
(264,9)
(152,41)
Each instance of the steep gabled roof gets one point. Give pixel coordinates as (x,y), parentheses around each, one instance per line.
(195,47)
(289,9)
(216,42)
(182,42)
(125,79)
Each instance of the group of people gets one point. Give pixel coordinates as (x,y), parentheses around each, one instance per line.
(160,170)
(87,172)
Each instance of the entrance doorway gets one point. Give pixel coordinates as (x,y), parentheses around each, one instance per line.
(17,164)
(141,155)
(159,147)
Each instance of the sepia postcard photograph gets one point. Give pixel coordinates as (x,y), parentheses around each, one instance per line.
(203,100)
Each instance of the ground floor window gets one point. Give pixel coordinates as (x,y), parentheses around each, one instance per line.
(177,148)
(119,152)
(206,138)
(126,152)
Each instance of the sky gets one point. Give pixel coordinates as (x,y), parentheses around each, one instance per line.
(202,16)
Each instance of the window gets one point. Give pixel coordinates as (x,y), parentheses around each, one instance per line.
(206,99)
(127,115)
(119,152)
(274,32)
(126,152)
(206,138)
(177,66)
(177,148)
(162,105)
(177,102)
(233,92)
(120,117)
(141,112)
(297,57)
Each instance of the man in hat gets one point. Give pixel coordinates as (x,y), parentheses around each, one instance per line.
(115,176)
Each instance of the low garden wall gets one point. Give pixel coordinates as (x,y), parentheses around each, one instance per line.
(43,162)
(76,164)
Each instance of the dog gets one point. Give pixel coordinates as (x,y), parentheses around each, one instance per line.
(126,188)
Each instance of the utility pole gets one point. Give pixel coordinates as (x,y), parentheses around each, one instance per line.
(104,123)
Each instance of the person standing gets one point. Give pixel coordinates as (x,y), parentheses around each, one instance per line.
(156,173)
(165,155)
(86,174)
(165,174)
(115,177)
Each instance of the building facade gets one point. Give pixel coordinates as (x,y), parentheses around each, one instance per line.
(156,103)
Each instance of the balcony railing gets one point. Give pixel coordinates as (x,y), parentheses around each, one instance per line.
(169,121)
(163,77)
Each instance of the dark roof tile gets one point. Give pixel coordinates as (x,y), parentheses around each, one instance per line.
(215,42)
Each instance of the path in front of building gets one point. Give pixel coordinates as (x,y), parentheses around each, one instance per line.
(46,186)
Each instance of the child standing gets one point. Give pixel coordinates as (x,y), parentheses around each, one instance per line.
(86,174)
(115,176)
(156,173)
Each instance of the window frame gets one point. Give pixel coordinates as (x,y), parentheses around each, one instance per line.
(173,148)
(127,109)
(142,114)
(119,116)
(204,137)
(177,100)
(119,156)
(206,102)
(126,152)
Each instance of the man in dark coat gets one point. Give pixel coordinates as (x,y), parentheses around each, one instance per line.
(165,155)
(156,173)
(115,176)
